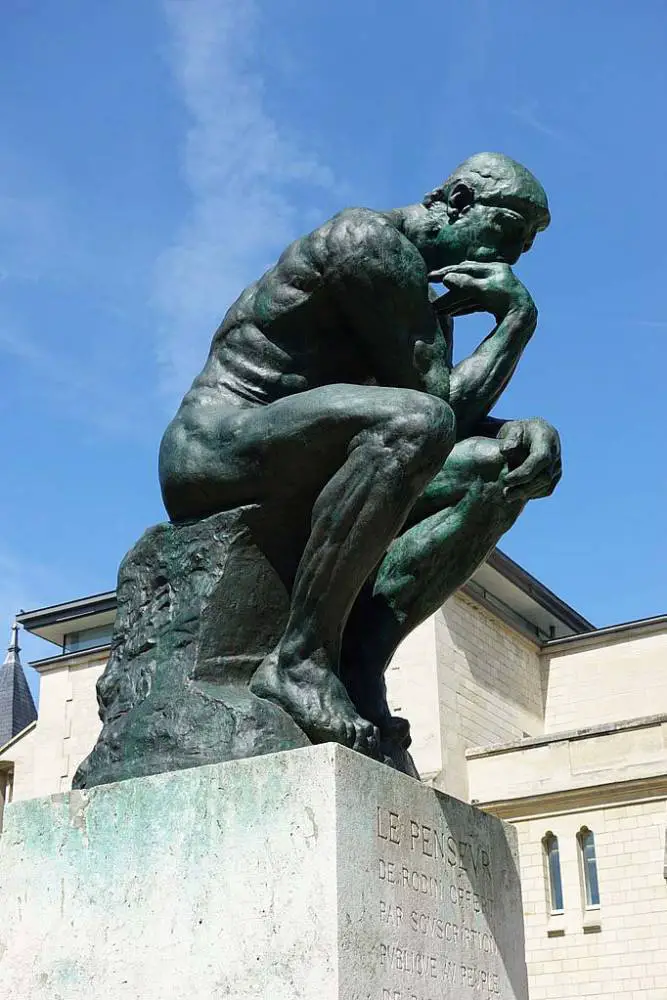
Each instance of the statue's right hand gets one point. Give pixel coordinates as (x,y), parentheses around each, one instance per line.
(492,288)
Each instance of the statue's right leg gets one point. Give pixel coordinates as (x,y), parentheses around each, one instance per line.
(392,440)
(364,454)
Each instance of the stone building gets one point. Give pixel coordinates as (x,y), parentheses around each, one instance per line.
(517,704)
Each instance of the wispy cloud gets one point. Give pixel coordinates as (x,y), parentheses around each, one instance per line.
(529,114)
(47,260)
(241,166)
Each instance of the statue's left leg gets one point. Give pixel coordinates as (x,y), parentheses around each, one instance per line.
(454,525)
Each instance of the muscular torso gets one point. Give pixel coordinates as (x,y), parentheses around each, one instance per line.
(347,304)
(317,318)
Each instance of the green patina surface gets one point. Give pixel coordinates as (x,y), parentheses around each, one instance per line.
(331,477)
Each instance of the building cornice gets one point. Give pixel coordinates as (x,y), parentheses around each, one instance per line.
(69,611)
(530,742)
(53,623)
(647,789)
(75,659)
(611,633)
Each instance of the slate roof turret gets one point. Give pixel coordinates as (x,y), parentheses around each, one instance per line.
(17,708)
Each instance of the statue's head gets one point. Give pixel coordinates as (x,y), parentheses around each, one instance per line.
(491,209)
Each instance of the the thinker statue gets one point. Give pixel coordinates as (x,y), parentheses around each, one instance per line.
(330,402)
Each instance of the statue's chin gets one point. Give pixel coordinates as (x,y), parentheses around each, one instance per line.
(488,255)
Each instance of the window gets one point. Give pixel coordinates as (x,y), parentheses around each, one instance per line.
(555,883)
(88,638)
(589,866)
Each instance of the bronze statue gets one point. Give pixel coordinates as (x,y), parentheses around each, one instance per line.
(330,406)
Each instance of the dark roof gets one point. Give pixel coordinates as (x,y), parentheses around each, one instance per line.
(17,708)
(53,623)
(532,587)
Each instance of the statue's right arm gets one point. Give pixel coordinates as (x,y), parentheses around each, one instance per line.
(381,286)
(478,381)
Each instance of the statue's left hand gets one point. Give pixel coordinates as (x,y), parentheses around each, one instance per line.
(532,450)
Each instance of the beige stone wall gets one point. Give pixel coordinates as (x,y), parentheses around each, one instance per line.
(637,752)
(489,686)
(464,679)
(611,780)
(412,684)
(622,677)
(621,954)
(20,755)
(4,788)
(46,759)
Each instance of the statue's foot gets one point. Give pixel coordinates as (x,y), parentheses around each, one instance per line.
(396,730)
(366,687)
(317,701)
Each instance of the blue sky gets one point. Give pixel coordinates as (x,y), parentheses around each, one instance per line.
(157,155)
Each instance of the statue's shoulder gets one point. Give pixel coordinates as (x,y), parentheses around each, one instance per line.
(348,231)
(362,240)
(354,225)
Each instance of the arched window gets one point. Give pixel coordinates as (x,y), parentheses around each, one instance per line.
(552,864)
(589,866)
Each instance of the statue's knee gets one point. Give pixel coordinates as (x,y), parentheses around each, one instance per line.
(489,459)
(478,460)
(428,425)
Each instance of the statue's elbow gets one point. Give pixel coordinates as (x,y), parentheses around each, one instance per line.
(170,468)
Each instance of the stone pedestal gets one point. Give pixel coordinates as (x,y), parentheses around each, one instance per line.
(313,874)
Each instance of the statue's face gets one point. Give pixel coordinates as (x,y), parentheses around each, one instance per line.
(490,223)
(492,233)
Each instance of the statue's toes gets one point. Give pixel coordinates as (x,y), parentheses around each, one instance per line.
(343,732)
(397,730)
(351,731)
(367,739)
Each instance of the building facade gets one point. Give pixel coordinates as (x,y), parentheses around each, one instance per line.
(517,704)
(589,800)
